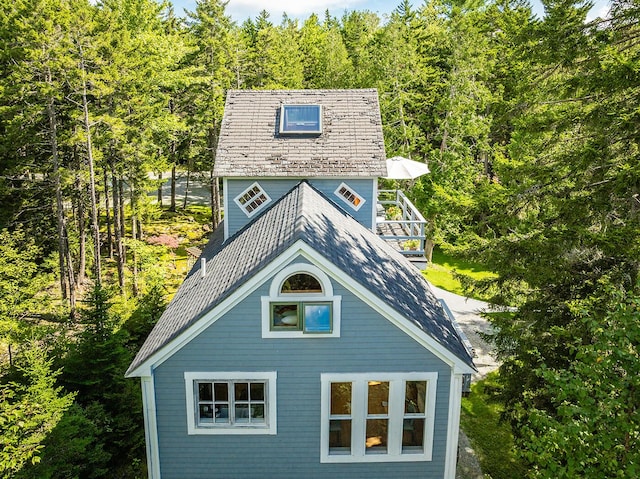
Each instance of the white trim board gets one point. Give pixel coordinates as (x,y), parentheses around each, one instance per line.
(396,416)
(151,427)
(269,376)
(300,248)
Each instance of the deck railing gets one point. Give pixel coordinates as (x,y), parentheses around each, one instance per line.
(411,225)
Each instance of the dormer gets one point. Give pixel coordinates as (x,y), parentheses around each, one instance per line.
(270,140)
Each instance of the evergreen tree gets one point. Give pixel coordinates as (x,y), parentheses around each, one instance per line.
(29,411)
(214,58)
(569,237)
(325,62)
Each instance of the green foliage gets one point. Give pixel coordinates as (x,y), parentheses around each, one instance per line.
(73,448)
(21,287)
(530,128)
(566,238)
(95,366)
(591,428)
(490,436)
(29,411)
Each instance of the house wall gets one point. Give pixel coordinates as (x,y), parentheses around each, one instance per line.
(235,218)
(368,343)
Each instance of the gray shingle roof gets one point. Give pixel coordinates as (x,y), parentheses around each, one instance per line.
(351,143)
(304,214)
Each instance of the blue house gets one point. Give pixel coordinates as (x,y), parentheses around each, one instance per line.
(301,344)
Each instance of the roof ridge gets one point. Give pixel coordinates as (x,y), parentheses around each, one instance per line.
(308,216)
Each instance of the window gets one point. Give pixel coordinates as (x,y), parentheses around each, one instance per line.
(382,417)
(300,119)
(301,303)
(252,200)
(305,316)
(231,403)
(349,196)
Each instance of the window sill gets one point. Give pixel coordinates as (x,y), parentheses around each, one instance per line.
(347,458)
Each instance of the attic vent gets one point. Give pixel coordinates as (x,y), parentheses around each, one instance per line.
(300,119)
(252,200)
(349,196)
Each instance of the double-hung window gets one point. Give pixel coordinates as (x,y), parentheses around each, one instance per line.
(301,303)
(382,417)
(231,402)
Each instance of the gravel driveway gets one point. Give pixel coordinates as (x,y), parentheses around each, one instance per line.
(466,311)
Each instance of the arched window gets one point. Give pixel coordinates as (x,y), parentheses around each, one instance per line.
(301,303)
(301,283)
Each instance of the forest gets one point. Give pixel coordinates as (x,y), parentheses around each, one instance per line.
(531,129)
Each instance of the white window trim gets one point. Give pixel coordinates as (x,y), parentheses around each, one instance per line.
(276,297)
(359,412)
(244,192)
(192,426)
(353,192)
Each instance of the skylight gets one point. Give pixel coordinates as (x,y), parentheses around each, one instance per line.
(300,119)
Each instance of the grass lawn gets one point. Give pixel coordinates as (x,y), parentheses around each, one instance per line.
(442,271)
(490,437)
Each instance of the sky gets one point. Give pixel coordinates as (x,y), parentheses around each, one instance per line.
(240,10)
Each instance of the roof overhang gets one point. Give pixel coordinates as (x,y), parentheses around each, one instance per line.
(300,248)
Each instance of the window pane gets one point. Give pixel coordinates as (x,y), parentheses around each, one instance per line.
(222,413)
(285,315)
(340,436)
(206,412)
(204,392)
(242,391)
(412,435)
(301,283)
(257,391)
(317,318)
(376,440)
(300,118)
(242,413)
(378,397)
(414,398)
(221,391)
(340,398)
(257,412)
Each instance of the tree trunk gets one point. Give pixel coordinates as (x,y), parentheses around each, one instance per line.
(95,227)
(428,249)
(186,189)
(70,276)
(215,185)
(173,189)
(121,194)
(215,201)
(160,189)
(134,237)
(82,236)
(117,229)
(66,287)
(108,214)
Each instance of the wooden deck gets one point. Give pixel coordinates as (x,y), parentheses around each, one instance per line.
(405,230)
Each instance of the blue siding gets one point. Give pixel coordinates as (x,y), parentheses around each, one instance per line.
(276,188)
(368,343)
